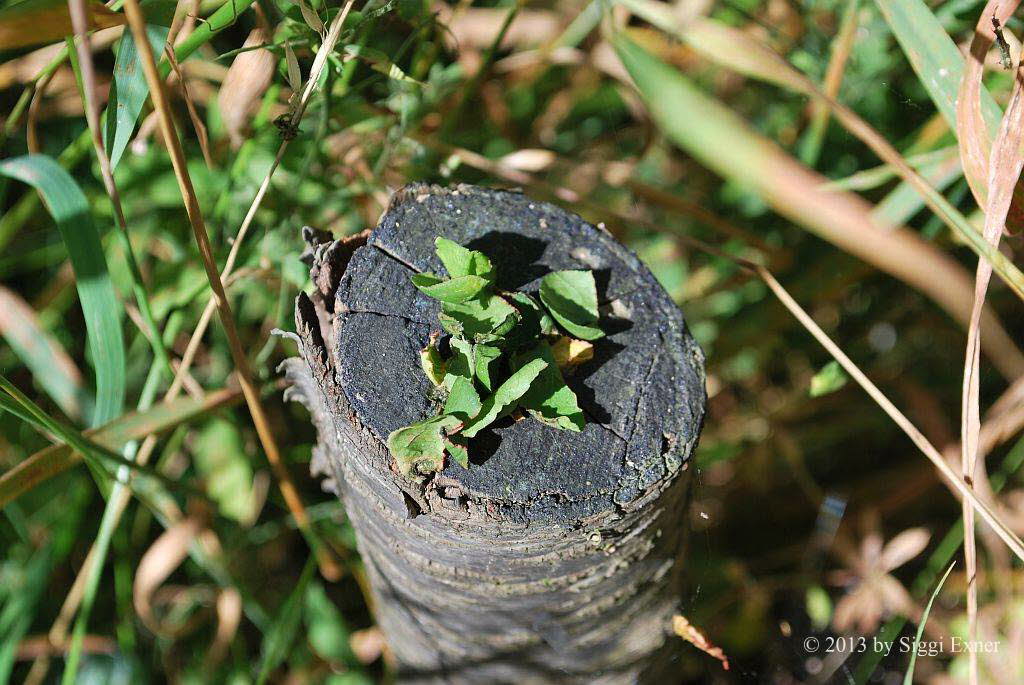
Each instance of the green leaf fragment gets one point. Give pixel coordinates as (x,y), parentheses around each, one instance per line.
(485,357)
(458,448)
(432,363)
(463,401)
(549,399)
(484,324)
(571,297)
(504,397)
(419,449)
(328,633)
(460,364)
(219,456)
(828,380)
(451,291)
(486,318)
(469,360)
(460,261)
(533,322)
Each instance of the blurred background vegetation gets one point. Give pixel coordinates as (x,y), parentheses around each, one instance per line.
(813,514)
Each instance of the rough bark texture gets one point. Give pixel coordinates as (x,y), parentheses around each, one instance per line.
(556,556)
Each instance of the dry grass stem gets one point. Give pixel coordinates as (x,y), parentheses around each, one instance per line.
(136,21)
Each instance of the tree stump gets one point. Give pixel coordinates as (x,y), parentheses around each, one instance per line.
(555,557)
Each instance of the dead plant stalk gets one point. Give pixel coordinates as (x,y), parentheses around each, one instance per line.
(136,22)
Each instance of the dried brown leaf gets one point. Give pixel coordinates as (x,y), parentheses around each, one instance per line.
(41,352)
(903,548)
(294,73)
(569,352)
(1002,168)
(311,17)
(229,616)
(529,159)
(692,634)
(158,563)
(250,75)
(47,22)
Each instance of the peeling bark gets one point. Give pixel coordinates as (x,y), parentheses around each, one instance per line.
(556,556)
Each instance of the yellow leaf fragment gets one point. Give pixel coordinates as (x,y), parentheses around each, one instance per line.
(571,352)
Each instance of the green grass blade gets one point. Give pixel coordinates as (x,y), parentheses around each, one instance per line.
(903,201)
(101,458)
(939,66)
(58,458)
(100,305)
(17,612)
(936,60)
(908,678)
(129,92)
(286,623)
(19,609)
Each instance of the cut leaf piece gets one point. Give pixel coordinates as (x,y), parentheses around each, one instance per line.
(460,364)
(460,261)
(451,291)
(549,399)
(419,449)
(459,449)
(505,397)
(571,352)
(483,319)
(483,363)
(828,380)
(534,320)
(463,401)
(432,363)
(571,297)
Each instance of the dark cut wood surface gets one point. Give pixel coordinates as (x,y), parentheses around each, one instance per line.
(643,394)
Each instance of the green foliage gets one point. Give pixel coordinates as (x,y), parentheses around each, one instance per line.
(549,399)
(403,99)
(908,678)
(278,640)
(419,448)
(452,290)
(829,379)
(221,460)
(327,630)
(100,305)
(819,607)
(129,91)
(495,335)
(571,297)
(463,400)
(504,398)
(486,319)
(460,261)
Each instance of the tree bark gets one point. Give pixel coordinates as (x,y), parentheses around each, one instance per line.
(556,556)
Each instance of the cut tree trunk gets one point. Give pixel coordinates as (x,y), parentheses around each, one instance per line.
(556,556)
